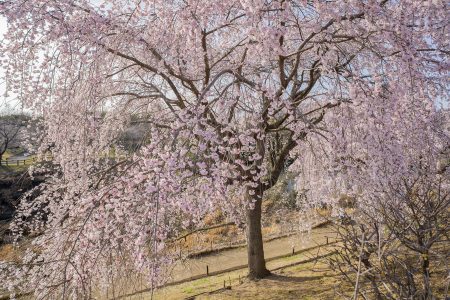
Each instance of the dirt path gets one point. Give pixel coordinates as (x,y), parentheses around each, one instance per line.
(189,277)
(229,259)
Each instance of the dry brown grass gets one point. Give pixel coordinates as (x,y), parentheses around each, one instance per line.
(8,253)
(308,281)
(313,280)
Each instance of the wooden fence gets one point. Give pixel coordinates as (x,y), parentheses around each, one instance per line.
(18,162)
(32,160)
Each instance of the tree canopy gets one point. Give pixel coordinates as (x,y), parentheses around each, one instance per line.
(233,92)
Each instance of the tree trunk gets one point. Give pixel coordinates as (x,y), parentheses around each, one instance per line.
(426,276)
(255,250)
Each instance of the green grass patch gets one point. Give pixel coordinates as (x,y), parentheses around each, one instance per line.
(202,281)
(188,290)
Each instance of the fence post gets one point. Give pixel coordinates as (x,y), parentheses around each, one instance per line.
(207,270)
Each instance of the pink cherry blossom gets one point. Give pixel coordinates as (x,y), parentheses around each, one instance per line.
(230,90)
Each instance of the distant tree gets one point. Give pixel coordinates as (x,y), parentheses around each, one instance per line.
(10,127)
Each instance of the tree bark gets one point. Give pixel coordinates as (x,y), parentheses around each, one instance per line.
(426,275)
(255,250)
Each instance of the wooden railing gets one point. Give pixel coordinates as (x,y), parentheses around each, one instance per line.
(18,162)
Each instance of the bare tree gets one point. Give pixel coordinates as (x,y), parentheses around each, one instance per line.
(10,127)
(392,250)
